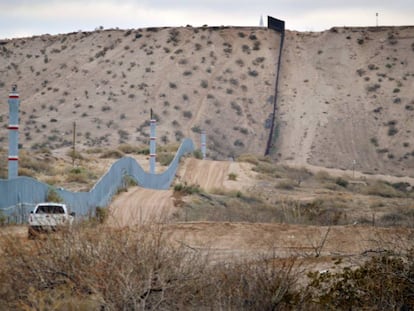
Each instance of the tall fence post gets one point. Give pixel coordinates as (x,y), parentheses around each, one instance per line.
(13,159)
(153,153)
(203,144)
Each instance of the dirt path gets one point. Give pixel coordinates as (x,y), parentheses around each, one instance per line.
(250,240)
(139,205)
(214,175)
(351,174)
(209,175)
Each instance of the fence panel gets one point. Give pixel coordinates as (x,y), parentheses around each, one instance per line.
(26,191)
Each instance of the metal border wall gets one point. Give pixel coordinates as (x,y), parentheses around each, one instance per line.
(26,191)
(279,26)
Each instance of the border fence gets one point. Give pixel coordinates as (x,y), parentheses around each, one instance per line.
(279,26)
(18,196)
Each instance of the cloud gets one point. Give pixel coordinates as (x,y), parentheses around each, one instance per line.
(54,16)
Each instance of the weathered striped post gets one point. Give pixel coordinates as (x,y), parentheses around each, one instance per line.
(203,143)
(153,138)
(13,127)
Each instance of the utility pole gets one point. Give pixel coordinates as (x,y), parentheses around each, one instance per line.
(73,144)
(376,14)
(353,168)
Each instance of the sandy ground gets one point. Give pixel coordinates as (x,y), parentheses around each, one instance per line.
(214,175)
(328,113)
(253,240)
(139,206)
(237,241)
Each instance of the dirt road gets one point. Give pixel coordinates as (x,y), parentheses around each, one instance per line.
(214,175)
(139,205)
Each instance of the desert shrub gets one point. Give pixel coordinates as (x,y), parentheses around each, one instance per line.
(79,175)
(374,141)
(38,165)
(383,189)
(3,218)
(392,130)
(373,87)
(256,46)
(197,154)
(165,158)
(186,189)
(26,172)
(249,158)
(174,33)
(53,196)
(179,135)
(286,185)
(106,108)
(372,67)
(126,148)
(342,182)
(187,114)
(238,143)
(94,268)
(253,73)
(236,107)
(382,283)
(101,214)
(74,154)
(115,154)
(232,176)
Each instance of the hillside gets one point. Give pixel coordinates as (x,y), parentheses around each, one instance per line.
(345,95)
(218,79)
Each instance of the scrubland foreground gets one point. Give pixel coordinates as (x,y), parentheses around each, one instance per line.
(92,268)
(272,237)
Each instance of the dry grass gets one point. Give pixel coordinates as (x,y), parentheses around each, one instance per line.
(134,269)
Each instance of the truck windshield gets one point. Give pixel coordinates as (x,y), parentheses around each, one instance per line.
(50,209)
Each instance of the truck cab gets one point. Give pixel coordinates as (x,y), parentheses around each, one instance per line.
(48,217)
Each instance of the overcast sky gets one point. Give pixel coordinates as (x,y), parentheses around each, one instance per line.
(20,18)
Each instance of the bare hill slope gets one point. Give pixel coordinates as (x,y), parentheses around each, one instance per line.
(193,78)
(345,95)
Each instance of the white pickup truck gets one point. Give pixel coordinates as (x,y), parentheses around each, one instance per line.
(48,217)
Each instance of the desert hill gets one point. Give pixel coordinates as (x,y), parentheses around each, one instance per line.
(218,79)
(345,95)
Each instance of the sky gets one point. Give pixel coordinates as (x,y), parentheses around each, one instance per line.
(23,18)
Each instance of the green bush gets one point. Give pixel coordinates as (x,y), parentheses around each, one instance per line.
(101,214)
(197,154)
(53,196)
(186,189)
(232,176)
(383,189)
(382,283)
(165,158)
(342,182)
